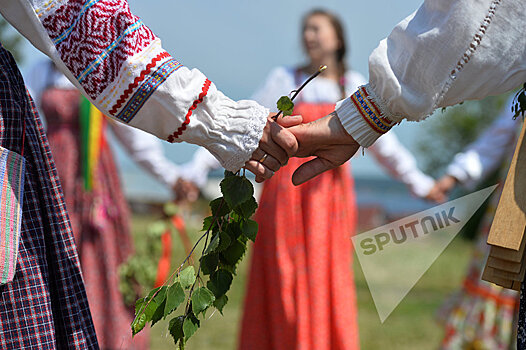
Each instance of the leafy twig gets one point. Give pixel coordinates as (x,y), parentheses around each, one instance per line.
(286,102)
(229,228)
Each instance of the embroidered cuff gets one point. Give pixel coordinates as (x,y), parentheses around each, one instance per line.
(361,117)
(250,141)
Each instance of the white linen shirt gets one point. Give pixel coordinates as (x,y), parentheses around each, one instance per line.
(145,149)
(119,64)
(446,52)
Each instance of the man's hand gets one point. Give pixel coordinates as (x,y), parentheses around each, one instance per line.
(326,139)
(275,147)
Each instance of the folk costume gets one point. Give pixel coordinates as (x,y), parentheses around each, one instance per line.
(120,66)
(97,209)
(300,293)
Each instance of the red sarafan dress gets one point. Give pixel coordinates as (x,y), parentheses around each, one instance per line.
(100,219)
(301,292)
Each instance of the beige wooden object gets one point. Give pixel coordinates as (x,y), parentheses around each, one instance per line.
(507,229)
(506,265)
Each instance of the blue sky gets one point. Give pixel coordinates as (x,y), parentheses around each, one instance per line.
(236,44)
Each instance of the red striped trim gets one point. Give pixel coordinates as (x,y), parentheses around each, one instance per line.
(366,95)
(371,102)
(365,117)
(136,81)
(182,128)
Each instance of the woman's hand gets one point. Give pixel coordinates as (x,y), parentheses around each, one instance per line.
(276,146)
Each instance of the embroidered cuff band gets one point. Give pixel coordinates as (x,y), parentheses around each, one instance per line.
(362,118)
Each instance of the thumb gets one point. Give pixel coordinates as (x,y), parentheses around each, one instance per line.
(309,170)
(291,120)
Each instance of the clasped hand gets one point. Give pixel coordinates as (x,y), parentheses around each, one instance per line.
(325,138)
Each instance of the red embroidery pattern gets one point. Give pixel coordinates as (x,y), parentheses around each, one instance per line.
(136,81)
(96,37)
(182,128)
(370,112)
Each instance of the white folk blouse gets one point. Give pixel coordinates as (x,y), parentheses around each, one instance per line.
(120,65)
(145,149)
(446,52)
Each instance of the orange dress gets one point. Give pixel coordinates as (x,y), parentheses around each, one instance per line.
(300,292)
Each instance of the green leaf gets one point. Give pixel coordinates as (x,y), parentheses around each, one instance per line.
(220,282)
(224,241)
(209,263)
(139,305)
(247,208)
(236,190)
(149,305)
(187,277)
(208,223)
(220,303)
(174,297)
(161,294)
(138,324)
(234,230)
(214,243)
(149,309)
(219,207)
(250,229)
(190,326)
(201,300)
(285,105)
(234,253)
(159,312)
(176,328)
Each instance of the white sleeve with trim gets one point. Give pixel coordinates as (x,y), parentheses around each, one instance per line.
(119,64)
(447,52)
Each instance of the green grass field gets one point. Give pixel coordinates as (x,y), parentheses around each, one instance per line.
(412,324)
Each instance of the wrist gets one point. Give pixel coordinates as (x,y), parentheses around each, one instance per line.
(339,133)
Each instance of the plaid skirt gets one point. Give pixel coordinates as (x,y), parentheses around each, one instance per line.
(45,306)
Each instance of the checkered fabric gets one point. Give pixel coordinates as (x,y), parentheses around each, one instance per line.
(45,306)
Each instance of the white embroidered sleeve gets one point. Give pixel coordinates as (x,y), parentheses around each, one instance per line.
(447,52)
(120,65)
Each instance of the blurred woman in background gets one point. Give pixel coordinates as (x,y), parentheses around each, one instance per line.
(300,292)
(94,197)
